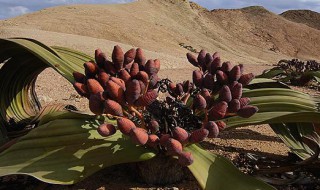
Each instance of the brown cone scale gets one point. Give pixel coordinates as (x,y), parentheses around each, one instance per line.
(134,69)
(199,102)
(198,135)
(226,67)
(119,82)
(215,55)
(179,89)
(140,57)
(79,77)
(192,59)
(117,57)
(82,89)
(153,126)
(244,101)
(96,105)
(235,73)
(142,86)
(113,108)
(99,57)
(91,69)
(125,125)
(109,68)
(222,78)
(202,58)
(106,130)
(208,81)
(246,79)
(139,136)
(115,91)
(153,141)
(218,111)
(216,64)
(142,76)
(247,111)
(157,65)
(103,78)
(94,86)
(153,81)
(213,129)
(173,146)
(172,89)
(148,98)
(124,75)
(234,106)
(164,139)
(225,94)
(236,91)
(180,134)
(232,84)
(151,68)
(187,86)
(241,68)
(185,159)
(209,60)
(207,96)
(129,57)
(133,91)
(221,125)
(197,78)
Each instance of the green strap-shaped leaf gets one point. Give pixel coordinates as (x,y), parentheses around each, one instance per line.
(3,136)
(273,117)
(277,106)
(271,73)
(309,104)
(290,135)
(65,150)
(51,108)
(46,55)
(274,92)
(312,73)
(214,172)
(266,83)
(24,60)
(71,55)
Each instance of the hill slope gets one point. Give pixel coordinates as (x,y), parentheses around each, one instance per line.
(307,17)
(250,35)
(259,27)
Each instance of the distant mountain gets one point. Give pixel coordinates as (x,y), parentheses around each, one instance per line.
(248,35)
(310,18)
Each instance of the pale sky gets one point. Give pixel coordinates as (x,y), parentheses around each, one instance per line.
(12,8)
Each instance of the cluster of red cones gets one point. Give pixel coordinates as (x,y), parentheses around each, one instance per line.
(221,86)
(127,86)
(128,80)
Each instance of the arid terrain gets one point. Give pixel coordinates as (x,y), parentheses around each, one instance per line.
(307,17)
(252,36)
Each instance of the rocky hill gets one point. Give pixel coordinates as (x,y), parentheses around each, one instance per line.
(248,35)
(310,18)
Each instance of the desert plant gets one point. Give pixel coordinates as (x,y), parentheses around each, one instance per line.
(64,146)
(190,48)
(295,72)
(127,88)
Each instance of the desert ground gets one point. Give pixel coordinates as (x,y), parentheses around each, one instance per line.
(251,36)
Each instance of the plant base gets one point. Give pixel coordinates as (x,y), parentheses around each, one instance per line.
(161,170)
